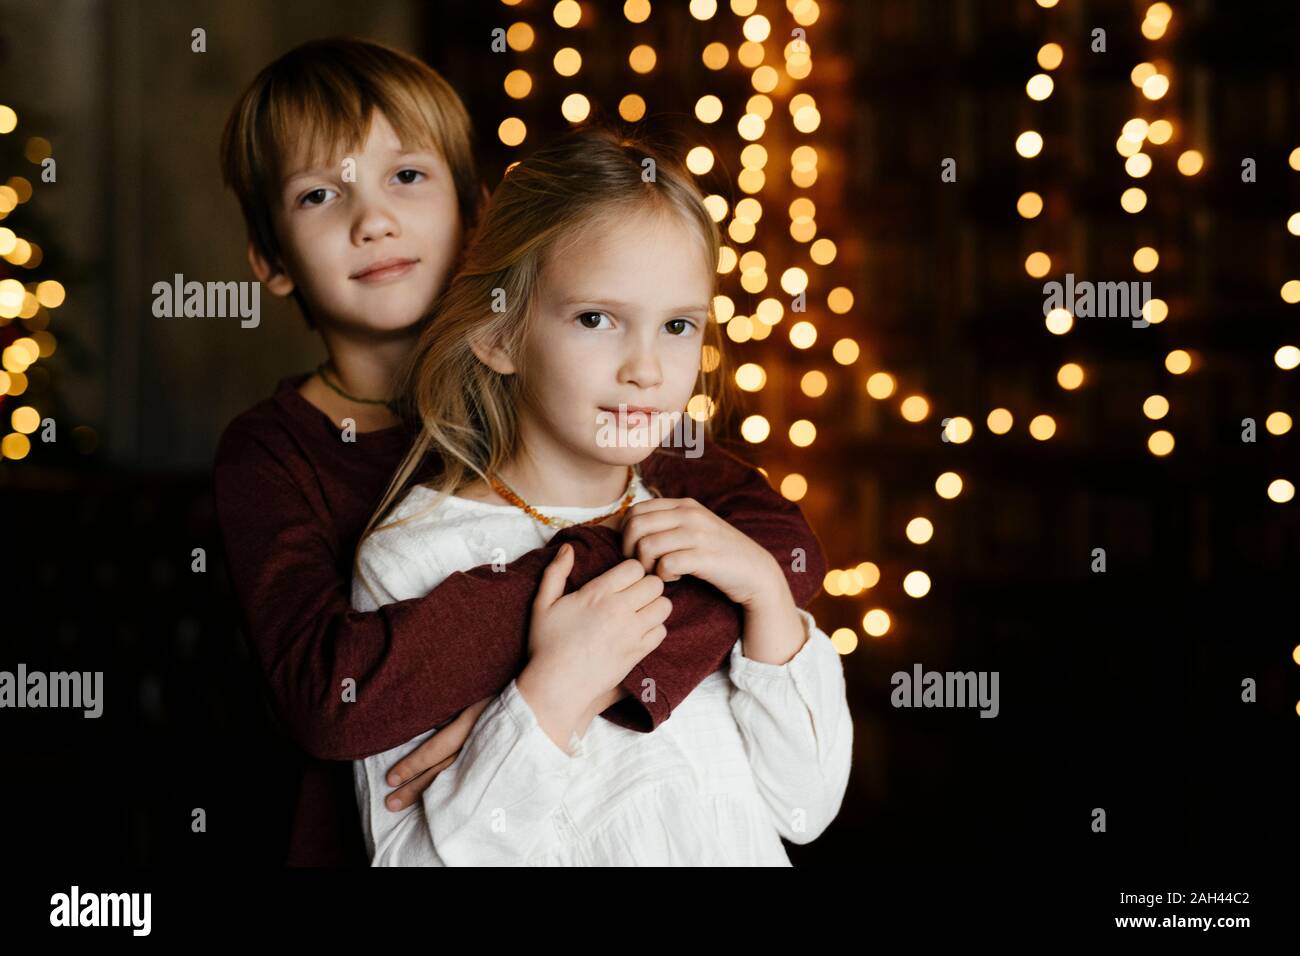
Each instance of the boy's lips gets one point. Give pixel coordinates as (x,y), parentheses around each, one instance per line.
(384,269)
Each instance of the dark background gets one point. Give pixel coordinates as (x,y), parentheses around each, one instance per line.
(1119,690)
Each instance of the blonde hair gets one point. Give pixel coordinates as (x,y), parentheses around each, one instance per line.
(324,93)
(467,412)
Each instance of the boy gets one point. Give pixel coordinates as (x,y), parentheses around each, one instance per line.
(353,164)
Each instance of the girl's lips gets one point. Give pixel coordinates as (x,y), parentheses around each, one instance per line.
(387,272)
(633,417)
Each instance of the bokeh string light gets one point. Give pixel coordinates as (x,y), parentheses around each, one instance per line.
(774,252)
(25,305)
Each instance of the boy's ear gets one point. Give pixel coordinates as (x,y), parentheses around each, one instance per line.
(276,281)
(493,356)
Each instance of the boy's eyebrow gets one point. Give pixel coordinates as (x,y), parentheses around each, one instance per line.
(391,154)
(619,304)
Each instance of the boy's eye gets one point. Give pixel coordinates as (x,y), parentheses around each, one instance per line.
(582,315)
(411,172)
(315,197)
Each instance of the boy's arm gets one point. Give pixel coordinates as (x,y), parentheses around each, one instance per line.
(415,663)
(704,623)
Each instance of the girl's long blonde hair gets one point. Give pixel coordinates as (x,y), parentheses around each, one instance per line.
(467,412)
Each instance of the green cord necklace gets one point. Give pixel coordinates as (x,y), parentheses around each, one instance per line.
(388,403)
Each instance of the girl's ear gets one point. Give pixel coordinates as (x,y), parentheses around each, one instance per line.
(493,356)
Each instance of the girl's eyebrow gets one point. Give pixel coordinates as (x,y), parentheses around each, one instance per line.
(619,304)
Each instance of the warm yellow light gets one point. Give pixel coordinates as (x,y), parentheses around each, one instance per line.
(999,421)
(755,429)
(1029,144)
(920,530)
(637,11)
(1294,159)
(25,419)
(839,300)
(567,13)
(948,485)
(845,351)
(518,84)
(709,108)
(642,58)
(794,280)
(803,433)
(807,119)
(1059,321)
(756,28)
(1070,376)
(880,385)
(1146,259)
(1029,205)
(703,9)
(814,384)
(1287,357)
(822,252)
(715,55)
(769,311)
(1279,490)
(567,61)
(8,119)
(1178,361)
(1138,165)
(914,408)
(1291,291)
(1190,162)
(1155,86)
(575,108)
(1042,427)
(843,639)
(1160,132)
(1039,86)
(1050,56)
(1133,199)
(512,131)
(750,126)
(959,430)
(519,36)
(50,294)
(1160,443)
(1135,129)
(794,486)
(876,622)
(1126,147)
(753,156)
(1141,73)
(631,107)
(15,445)
(699,160)
(1293,224)
(1038,264)
(1278,423)
(1152,29)
(751,377)
(803,335)
(1155,311)
(1155,407)
(1047,4)
(717,207)
(916,584)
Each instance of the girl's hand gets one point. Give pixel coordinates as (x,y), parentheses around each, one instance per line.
(676,536)
(413,773)
(581,645)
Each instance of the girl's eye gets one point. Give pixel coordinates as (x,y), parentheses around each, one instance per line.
(307,199)
(686,330)
(412,172)
(583,315)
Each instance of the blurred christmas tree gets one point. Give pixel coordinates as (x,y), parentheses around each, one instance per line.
(30,410)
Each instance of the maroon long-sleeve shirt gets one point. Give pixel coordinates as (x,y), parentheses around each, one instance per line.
(292,499)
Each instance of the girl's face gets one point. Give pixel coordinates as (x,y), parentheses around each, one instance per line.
(620,320)
(388,206)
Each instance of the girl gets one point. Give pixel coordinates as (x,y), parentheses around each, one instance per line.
(586,294)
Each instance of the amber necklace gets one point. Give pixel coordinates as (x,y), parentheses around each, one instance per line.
(505,492)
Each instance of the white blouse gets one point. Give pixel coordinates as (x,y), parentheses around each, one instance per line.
(755,753)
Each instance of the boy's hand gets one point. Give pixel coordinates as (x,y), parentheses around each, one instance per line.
(676,536)
(417,769)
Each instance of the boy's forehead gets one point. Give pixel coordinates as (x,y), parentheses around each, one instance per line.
(321,150)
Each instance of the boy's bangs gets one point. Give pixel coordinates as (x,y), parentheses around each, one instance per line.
(315,128)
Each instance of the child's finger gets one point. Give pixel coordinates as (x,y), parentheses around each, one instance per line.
(405,795)
(551,588)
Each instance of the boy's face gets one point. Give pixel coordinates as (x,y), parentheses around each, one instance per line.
(620,319)
(381,205)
